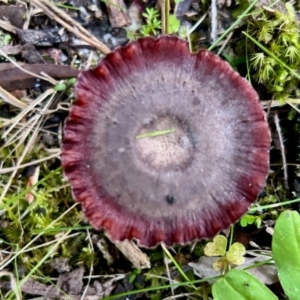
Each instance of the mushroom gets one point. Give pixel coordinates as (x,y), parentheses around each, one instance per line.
(164,145)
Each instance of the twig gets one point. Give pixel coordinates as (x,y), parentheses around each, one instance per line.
(233,25)
(65,20)
(274,103)
(34,127)
(91,271)
(191,30)
(197,24)
(48,78)
(169,275)
(35,162)
(185,295)
(214,21)
(13,284)
(165,10)
(293,106)
(225,42)
(16,120)
(282,149)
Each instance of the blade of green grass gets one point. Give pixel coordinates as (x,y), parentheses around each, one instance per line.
(155,133)
(271,54)
(257,208)
(161,287)
(238,20)
(175,263)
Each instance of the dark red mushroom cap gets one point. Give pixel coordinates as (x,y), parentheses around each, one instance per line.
(198,177)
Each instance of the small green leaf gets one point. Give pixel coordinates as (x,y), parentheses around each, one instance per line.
(258,222)
(286,252)
(217,247)
(247,219)
(71,81)
(60,87)
(236,253)
(240,285)
(174,24)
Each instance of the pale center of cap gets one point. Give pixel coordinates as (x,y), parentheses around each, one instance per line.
(164,143)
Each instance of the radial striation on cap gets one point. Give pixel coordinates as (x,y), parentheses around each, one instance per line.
(164,145)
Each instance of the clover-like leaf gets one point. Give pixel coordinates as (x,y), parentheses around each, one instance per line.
(247,220)
(217,247)
(236,253)
(220,264)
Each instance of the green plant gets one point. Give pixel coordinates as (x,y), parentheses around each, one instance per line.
(63,84)
(4,39)
(29,222)
(240,285)
(87,257)
(248,219)
(174,24)
(152,27)
(233,256)
(153,23)
(277,31)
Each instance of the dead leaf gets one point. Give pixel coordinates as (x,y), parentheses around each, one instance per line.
(203,268)
(182,7)
(117,13)
(33,287)
(267,274)
(11,50)
(133,253)
(61,264)
(31,55)
(14,14)
(71,282)
(39,37)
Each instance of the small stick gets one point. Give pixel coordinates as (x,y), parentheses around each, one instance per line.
(48,78)
(58,15)
(34,162)
(133,253)
(169,274)
(225,43)
(214,21)
(282,149)
(165,16)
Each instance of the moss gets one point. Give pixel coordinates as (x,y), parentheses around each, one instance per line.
(277,30)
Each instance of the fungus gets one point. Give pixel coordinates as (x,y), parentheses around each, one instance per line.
(164,145)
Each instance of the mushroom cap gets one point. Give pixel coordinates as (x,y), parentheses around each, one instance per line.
(164,145)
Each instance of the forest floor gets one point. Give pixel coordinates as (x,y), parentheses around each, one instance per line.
(48,250)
